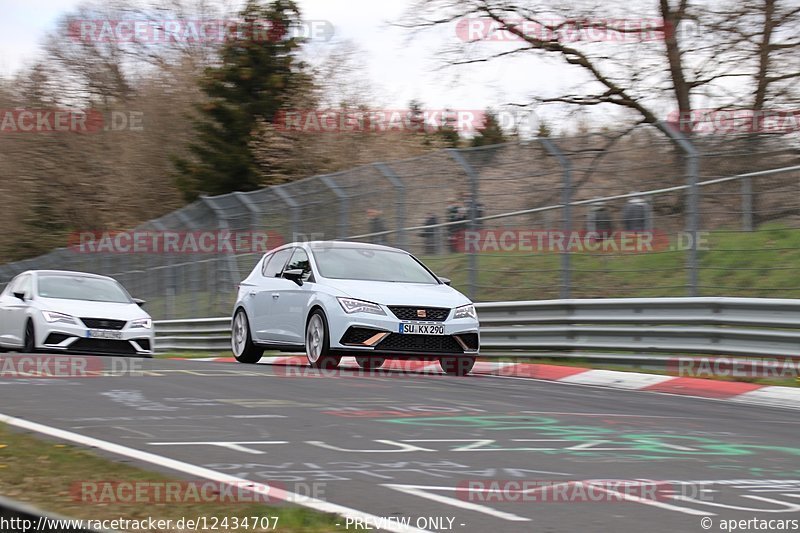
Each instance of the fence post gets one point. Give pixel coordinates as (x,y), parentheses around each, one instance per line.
(472,256)
(692,199)
(222,222)
(747,204)
(399,203)
(566,215)
(344,208)
(251,207)
(294,208)
(190,287)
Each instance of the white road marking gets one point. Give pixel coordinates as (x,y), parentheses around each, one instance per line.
(423,491)
(198,471)
(257,416)
(235,446)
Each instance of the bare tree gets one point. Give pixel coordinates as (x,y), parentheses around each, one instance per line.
(741,54)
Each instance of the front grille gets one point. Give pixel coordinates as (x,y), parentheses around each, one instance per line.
(397,342)
(470,339)
(103,323)
(56,338)
(434,314)
(355,335)
(104,346)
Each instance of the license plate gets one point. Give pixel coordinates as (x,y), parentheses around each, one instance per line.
(422,329)
(103,334)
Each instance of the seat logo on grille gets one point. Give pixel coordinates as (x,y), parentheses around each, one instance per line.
(421,313)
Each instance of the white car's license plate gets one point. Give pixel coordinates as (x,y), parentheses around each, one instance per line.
(422,329)
(103,334)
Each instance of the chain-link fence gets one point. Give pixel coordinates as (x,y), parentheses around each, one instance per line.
(644,212)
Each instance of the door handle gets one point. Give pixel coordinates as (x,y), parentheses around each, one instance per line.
(275,295)
(252,293)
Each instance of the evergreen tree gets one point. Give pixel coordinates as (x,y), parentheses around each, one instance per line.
(257,70)
(490,132)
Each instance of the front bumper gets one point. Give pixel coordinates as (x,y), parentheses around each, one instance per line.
(71,338)
(380,335)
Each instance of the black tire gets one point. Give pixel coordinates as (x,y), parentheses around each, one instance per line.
(368,362)
(318,347)
(241,342)
(29,340)
(457,366)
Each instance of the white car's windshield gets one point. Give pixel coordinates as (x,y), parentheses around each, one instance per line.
(82,288)
(371,265)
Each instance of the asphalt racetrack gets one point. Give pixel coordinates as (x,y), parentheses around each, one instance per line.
(441,453)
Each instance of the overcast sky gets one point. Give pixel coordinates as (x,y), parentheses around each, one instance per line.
(398,64)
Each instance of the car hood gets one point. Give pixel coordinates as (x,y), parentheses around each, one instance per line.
(82,308)
(389,293)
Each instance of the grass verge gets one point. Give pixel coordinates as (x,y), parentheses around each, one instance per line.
(47,474)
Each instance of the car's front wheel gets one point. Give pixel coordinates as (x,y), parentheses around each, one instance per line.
(370,363)
(457,366)
(318,349)
(29,345)
(241,342)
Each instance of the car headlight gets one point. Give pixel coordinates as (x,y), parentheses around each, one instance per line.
(144,323)
(52,316)
(466,311)
(360,306)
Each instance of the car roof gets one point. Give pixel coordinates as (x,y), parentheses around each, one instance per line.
(65,273)
(318,245)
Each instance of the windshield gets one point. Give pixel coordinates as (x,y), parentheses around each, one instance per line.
(82,288)
(371,265)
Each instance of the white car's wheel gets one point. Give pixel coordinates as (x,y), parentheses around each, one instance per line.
(317,344)
(29,340)
(241,342)
(370,363)
(457,366)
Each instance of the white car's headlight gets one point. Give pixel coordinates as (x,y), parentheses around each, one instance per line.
(466,311)
(360,306)
(52,316)
(144,323)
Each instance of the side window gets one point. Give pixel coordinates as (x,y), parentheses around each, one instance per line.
(266,262)
(300,261)
(274,266)
(23,284)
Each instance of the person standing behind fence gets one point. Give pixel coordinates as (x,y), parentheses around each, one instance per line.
(376,225)
(636,215)
(430,235)
(456,212)
(601,221)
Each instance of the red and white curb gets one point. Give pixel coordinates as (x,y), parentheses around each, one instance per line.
(736,391)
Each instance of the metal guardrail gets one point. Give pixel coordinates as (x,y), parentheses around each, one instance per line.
(754,327)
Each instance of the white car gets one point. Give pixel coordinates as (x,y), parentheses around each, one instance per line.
(334,298)
(60,311)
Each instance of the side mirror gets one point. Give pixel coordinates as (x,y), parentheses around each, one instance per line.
(296,275)
(20,295)
(139,302)
(446,281)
